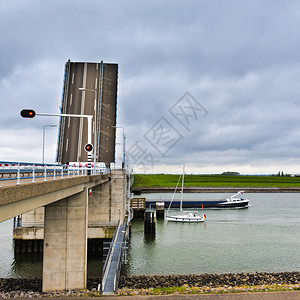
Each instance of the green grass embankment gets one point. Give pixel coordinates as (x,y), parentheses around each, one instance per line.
(168,180)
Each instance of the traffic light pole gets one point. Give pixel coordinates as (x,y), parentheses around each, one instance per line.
(89,118)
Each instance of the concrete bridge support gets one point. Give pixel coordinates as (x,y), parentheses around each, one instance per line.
(65,243)
(108,200)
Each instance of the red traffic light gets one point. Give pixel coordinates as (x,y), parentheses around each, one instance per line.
(27,113)
(88,147)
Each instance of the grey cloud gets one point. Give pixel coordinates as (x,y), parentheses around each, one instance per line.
(239,60)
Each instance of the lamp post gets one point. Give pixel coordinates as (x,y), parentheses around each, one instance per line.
(124,139)
(30,113)
(44,127)
(95,117)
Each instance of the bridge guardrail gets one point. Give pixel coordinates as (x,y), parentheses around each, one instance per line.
(21,224)
(98,224)
(91,224)
(116,255)
(122,245)
(23,170)
(106,265)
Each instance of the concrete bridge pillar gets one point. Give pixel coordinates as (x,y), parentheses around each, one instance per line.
(65,243)
(108,200)
(118,195)
(100,203)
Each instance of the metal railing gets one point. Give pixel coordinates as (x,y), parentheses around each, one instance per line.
(98,224)
(118,244)
(23,170)
(122,246)
(21,224)
(109,257)
(91,224)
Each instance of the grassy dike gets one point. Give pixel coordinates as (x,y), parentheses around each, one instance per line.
(209,283)
(207,290)
(170,180)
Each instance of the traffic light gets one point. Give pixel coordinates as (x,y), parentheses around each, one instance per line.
(88,147)
(27,113)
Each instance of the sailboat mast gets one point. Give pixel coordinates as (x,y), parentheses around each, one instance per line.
(182,190)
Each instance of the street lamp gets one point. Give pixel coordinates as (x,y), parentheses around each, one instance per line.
(124,139)
(30,113)
(95,117)
(44,127)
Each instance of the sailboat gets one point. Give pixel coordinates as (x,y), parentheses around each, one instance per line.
(186,217)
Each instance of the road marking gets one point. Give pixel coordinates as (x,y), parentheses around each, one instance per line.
(81,112)
(72,78)
(93,127)
(96,66)
(96,81)
(69,122)
(67,144)
(71,99)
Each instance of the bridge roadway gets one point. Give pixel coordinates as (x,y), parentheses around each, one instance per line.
(100,81)
(18,199)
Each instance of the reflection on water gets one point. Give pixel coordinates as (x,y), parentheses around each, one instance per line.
(149,240)
(27,265)
(30,265)
(6,248)
(95,264)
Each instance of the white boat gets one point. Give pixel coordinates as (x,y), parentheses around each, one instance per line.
(234,201)
(187,217)
(183,217)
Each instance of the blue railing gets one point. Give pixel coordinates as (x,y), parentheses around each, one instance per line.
(21,224)
(23,170)
(18,223)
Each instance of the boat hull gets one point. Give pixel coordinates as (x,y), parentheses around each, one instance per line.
(235,204)
(185,219)
(201,204)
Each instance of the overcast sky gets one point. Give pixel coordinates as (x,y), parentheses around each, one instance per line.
(212,84)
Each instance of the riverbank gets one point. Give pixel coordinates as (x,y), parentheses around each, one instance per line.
(193,189)
(209,280)
(216,183)
(163,285)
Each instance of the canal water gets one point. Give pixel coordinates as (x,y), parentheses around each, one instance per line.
(262,238)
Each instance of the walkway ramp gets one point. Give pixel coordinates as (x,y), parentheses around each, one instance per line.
(112,266)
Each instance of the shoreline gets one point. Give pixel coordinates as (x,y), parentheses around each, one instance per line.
(163,284)
(192,189)
(211,280)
